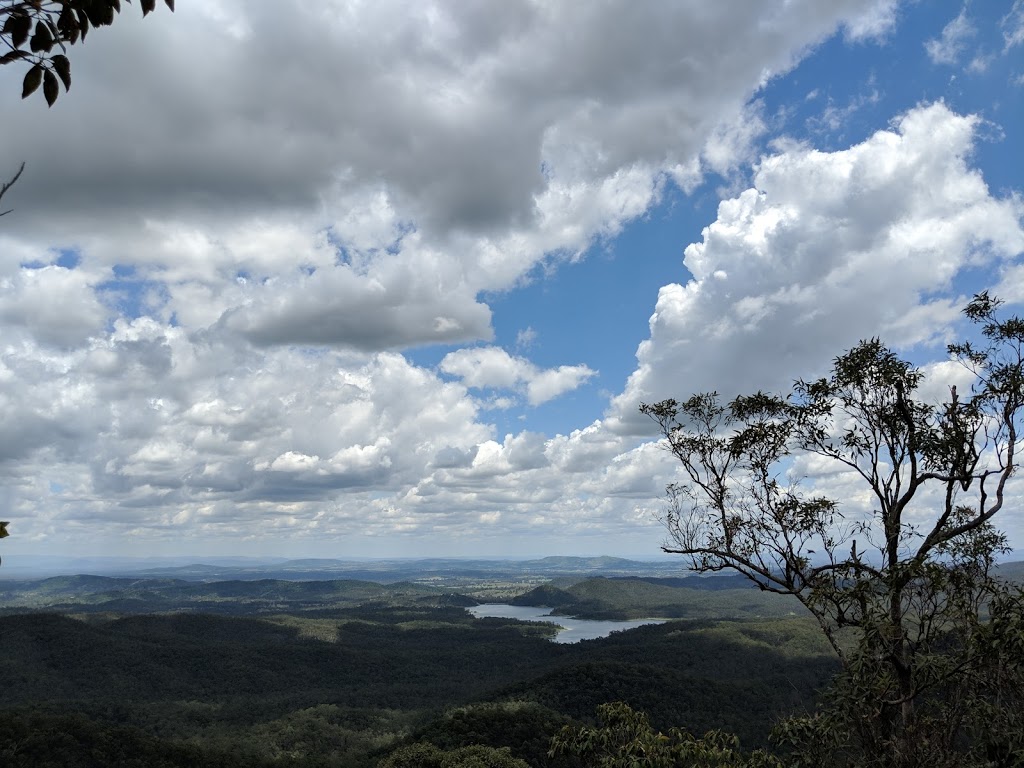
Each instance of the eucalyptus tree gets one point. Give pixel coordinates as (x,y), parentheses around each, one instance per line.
(931,642)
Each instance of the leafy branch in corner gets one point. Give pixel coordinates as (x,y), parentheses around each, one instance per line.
(38,33)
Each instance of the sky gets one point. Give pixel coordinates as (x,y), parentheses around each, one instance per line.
(392,279)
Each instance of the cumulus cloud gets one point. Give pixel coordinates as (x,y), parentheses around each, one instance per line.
(612,489)
(57,306)
(493,367)
(262,238)
(153,434)
(549,384)
(825,249)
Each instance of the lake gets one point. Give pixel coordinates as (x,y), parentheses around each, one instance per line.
(573,630)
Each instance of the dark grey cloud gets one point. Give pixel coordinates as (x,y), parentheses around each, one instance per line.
(342,309)
(229,108)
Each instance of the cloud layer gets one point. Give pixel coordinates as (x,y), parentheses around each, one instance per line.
(212,288)
(369,187)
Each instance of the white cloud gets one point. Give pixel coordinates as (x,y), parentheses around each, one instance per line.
(946,49)
(980,64)
(549,384)
(526,338)
(641,473)
(57,306)
(493,367)
(1013,26)
(826,249)
(584,449)
(486,367)
(733,143)
(876,22)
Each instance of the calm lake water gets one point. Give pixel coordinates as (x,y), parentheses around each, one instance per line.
(574,629)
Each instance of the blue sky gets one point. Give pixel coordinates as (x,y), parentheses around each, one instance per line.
(402,292)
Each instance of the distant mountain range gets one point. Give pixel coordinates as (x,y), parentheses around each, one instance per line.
(324,569)
(563,570)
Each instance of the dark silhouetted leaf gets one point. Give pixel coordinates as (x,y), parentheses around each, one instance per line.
(10,56)
(20,28)
(148,6)
(95,12)
(32,80)
(83,21)
(62,67)
(50,87)
(42,40)
(66,22)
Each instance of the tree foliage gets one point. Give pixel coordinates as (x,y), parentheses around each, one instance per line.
(927,636)
(38,33)
(426,755)
(625,739)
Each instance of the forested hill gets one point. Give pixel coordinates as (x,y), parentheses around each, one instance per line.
(599,598)
(636,598)
(717,596)
(346,688)
(85,594)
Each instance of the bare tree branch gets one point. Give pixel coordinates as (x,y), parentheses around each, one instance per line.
(7,185)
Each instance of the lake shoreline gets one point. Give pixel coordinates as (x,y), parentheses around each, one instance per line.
(570,628)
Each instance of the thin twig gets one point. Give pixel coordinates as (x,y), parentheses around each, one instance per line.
(8,185)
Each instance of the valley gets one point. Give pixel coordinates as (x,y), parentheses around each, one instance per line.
(340,672)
